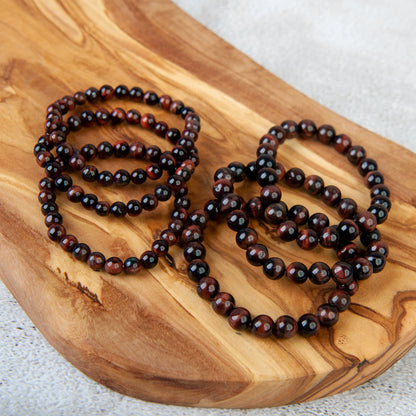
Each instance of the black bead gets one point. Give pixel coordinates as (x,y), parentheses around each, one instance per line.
(377,260)
(163,192)
(134,208)
(380,212)
(194,251)
(149,259)
(149,202)
(118,209)
(81,251)
(89,201)
(90,173)
(63,183)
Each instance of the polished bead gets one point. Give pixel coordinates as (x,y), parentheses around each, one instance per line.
(102,116)
(137,150)
(266,149)
(299,214)
(285,327)
(113,265)
(376,247)
(246,237)
(102,208)
(48,207)
(121,92)
(223,303)
(118,209)
(318,222)
(197,269)
(68,242)
(377,260)
(229,202)
(121,148)
(262,326)
(239,319)
(347,208)
(150,98)
(212,208)
(56,232)
(194,251)
(63,183)
(192,233)
(306,129)
(75,123)
(382,200)
(160,247)
(342,143)
(53,218)
(148,121)
(265,161)
(340,299)
(81,251)
(75,194)
(257,254)
(176,226)
(267,176)
(53,170)
(287,230)
(89,151)
(132,265)
(308,325)
(295,178)
(274,268)
(46,196)
(199,217)
(329,237)
(347,230)
(133,117)
(57,137)
(380,212)
(280,171)
(356,154)
(268,140)
(46,184)
(96,261)
(90,173)
(326,134)
(149,259)
(176,183)
(270,194)
(80,98)
(136,94)
(77,162)
(89,201)
(297,272)
(222,187)
(251,171)
(134,208)
(367,165)
(349,252)
(378,190)
(154,171)
(373,178)
(163,193)
(180,214)
(64,151)
(169,237)
(362,268)
(331,195)
(307,239)
(117,116)
(291,128)
(351,288)
(224,173)
(165,101)
(176,107)
(366,221)
(149,202)
(278,132)
(43,158)
(138,176)
(238,169)
(254,206)
(342,272)
(319,273)
(327,314)
(237,220)
(106,92)
(275,213)
(207,287)
(105,150)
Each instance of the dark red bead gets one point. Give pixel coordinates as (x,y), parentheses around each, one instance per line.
(80,98)
(287,230)
(239,319)
(326,134)
(132,265)
(89,201)
(197,269)
(379,190)
(105,150)
(46,184)
(314,185)
(377,260)
(342,272)
(382,200)
(137,150)
(102,208)
(308,325)
(194,251)
(160,247)
(106,92)
(267,176)
(362,268)
(192,233)
(275,213)
(347,208)
(117,116)
(133,117)
(121,148)
(366,221)
(291,128)
(46,196)
(224,173)
(295,177)
(223,303)
(274,268)
(237,220)
(270,194)
(222,187)
(148,259)
(257,254)
(340,299)
(376,247)
(113,265)
(81,251)
(89,151)
(169,237)
(373,178)
(254,207)
(229,202)
(136,94)
(90,173)
(121,92)
(262,326)
(68,242)
(48,208)
(149,202)
(77,162)
(43,158)
(154,171)
(199,217)
(207,288)
(134,208)
(150,98)
(380,212)
(285,327)
(53,170)
(96,261)
(299,214)
(56,232)
(351,288)
(165,101)
(246,237)
(53,218)
(331,195)
(102,116)
(278,132)
(356,154)
(349,252)
(118,209)
(267,149)
(319,273)
(281,171)
(148,121)
(329,237)
(306,129)
(367,165)
(297,272)
(75,194)
(307,239)
(347,230)
(327,314)
(342,143)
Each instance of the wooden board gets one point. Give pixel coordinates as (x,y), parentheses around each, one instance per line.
(150,336)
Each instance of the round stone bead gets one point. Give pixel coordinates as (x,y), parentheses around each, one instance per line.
(113,265)
(297,272)
(331,195)
(356,154)
(306,129)
(223,303)
(96,261)
(295,178)
(367,165)
(194,251)
(340,299)
(362,268)
(308,325)
(246,237)
(239,319)
(377,260)
(376,247)
(285,327)
(342,272)
(197,269)
(56,232)
(287,230)
(327,314)
(132,265)
(254,207)
(237,220)
(299,214)
(373,178)
(347,208)
(347,230)
(366,221)
(307,239)
(313,184)
(319,273)
(149,259)
(262,326)
(326,134)
(207,287)
(257,254)
(349,252)
(81,251)
(275,213)
(329,237)
(318,222)
(270,194)
(351,288)
(291,128)
(68,242)
(380,212)
(342,143)
(274,268)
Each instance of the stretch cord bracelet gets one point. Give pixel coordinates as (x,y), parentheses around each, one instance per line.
(356,264)
(70,158)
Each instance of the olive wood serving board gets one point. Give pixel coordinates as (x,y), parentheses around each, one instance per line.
(150,336)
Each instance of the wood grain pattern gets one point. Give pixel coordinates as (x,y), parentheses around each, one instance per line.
(150,336)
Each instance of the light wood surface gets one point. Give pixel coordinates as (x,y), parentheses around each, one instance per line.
(150,336)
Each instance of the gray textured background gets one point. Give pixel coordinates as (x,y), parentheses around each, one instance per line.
(357,58)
